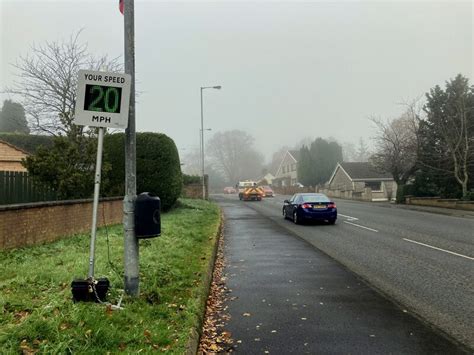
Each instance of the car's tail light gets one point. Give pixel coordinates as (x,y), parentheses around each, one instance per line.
(306,205)
(331,205)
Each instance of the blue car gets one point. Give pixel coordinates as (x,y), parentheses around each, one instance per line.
(310,206)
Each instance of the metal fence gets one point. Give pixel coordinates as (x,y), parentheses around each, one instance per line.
(18,187)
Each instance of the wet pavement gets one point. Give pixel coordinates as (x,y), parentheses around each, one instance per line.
(289,297)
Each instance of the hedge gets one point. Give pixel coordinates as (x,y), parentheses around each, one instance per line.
(158,166)
(27,142)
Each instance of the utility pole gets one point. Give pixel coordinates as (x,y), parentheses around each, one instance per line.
(218,87)
(131,264)
(202,151)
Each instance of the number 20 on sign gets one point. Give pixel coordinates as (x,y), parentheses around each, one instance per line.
(102,99)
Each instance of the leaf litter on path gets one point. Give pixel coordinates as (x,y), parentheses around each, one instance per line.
(214,339)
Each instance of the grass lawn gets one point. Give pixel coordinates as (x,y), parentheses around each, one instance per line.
(38,315)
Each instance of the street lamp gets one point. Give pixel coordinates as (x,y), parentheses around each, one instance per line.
(200,141)
(218,87)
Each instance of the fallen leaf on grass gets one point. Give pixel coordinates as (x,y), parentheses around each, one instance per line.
(108,310)
(20,316)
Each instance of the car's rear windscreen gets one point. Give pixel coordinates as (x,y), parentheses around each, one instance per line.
(315,198)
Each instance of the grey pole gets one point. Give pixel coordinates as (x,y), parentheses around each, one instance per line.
(202,139)
(95,206)
(131,264)
(202,151)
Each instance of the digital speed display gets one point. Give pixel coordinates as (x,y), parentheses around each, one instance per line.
(100,98)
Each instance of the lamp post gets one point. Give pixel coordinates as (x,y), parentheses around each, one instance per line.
(200,141)
(218,87)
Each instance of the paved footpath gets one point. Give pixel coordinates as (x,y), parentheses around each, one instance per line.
(288,297)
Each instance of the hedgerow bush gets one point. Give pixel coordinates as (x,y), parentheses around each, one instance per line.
(158,166)
(27,142)
(191,179)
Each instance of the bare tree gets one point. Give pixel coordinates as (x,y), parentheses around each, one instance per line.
(191,162)
(363,152)
(396,144)
(349,151)
(233,154)
(47,80)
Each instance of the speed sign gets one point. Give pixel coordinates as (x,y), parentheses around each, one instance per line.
(102,99)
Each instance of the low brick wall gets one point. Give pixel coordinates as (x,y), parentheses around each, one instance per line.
(291,190)
(37,223)
(192,191)
(364,195)
(439,202)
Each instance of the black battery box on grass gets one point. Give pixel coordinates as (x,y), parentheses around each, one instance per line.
(88,290)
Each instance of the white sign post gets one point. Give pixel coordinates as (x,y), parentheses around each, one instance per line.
(102,101)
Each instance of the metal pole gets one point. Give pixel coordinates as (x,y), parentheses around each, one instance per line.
(131,265)
(95,207)
(202,151)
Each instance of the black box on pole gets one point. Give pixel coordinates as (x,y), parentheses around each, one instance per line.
(147,216)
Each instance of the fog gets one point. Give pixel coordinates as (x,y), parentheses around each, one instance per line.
(288,70)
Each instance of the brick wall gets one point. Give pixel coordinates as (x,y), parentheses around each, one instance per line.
(438,202)
(192,191)
(195,190)
(37,223)
(291,190)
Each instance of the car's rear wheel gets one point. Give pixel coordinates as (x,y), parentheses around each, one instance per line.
(283,211)
(332,221)
(296,220)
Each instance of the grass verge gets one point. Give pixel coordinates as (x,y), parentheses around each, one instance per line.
(38,315)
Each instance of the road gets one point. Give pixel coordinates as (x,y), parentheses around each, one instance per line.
(422,261)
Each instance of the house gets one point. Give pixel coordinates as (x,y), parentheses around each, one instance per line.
(15,147)
(266,180)
(11,157)
(357,177)
(287,173)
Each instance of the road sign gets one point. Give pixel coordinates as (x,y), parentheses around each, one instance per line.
(102,99)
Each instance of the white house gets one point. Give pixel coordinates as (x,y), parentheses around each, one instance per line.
(357,176)
(287,173)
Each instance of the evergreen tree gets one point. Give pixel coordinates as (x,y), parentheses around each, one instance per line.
(304,166)
(447,135)
(317,163)
(12,118)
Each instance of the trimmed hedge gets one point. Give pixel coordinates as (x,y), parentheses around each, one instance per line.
(27,142)
(191,179)
(158,166)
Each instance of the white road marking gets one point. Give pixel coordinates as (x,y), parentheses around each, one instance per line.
(432,247)
(358,225)
(349,217)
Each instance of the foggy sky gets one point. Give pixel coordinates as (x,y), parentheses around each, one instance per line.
(288,70)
